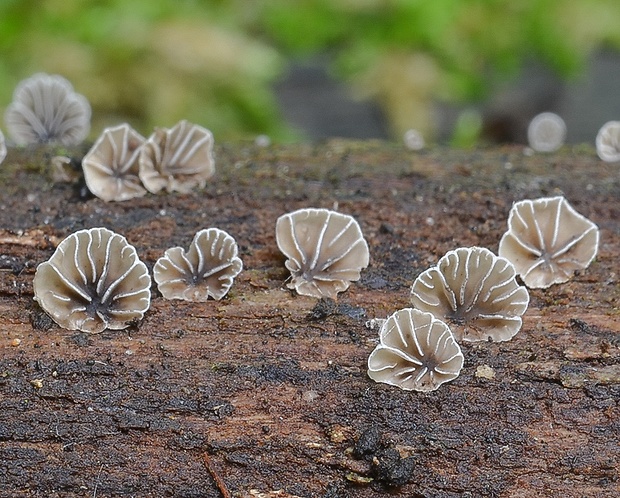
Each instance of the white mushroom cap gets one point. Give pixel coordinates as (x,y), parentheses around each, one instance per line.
(45,108)
(326,250)
(547,240)
(608,142)
(207,269)
(111,165)
(416,352)
(413,140)
(546,132)
(2,147)
(475,292)
(178,159)
(93,281)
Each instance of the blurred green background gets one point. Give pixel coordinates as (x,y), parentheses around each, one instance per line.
(219,63)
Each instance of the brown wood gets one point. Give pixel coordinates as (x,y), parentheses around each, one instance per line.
(270,388)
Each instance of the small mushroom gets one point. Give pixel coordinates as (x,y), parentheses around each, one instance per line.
(546,132)
(413,139)
(177,159)
(547,240)
(2,147)
(475,292)
(93,281)
(608,142)
(326,251)
(207,269)
(416,352)
(111,165)
(45,108)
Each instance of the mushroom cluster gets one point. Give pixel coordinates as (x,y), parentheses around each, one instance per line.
(122,165)
(45,108)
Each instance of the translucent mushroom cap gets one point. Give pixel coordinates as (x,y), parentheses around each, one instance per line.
(2,148)
(177,159)
(475,292)
(45,108)
(608,142)
(547,240)
(207,269)
(546,132)
(111,165)
(326,251)
(93,281)
(416,352)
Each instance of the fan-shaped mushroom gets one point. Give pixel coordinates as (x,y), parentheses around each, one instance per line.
(326,250)
(93,281)
(207,269)
(45,108)
(2,148)
(416,352)
(608,142)
(474,291)
(547,240)
(111,165)
(177,159)
(546,132)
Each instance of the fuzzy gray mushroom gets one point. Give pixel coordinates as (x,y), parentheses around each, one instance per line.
(608,142)
(416,351)
(93,281)
(111,165)
(475,292)
(207,269)
(546,132)
(2,147)
(177,159)
(547,241)
(326,251)
(45,108)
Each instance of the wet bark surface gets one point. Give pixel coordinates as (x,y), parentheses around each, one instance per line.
(266,391)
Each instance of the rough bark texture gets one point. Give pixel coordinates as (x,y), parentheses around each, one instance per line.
(265,391)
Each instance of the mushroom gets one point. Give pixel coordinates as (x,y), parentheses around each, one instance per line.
(111,165)
(2,147)
(413,139)
(476,292)
(546,132)
(416,352)
(547,240)
(45,108)
(207,269)
(93,281)
(326,251)
(177,159)
(608,142)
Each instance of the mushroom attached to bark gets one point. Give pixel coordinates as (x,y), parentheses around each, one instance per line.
(208,268)
(2,147)
(475,292)
(546,132)
(111,165)
(326,251)
(45,108)
(416,352)
(608,142)
(547,241)
(93,281)
(177,159)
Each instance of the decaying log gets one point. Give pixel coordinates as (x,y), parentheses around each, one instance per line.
(265,393)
